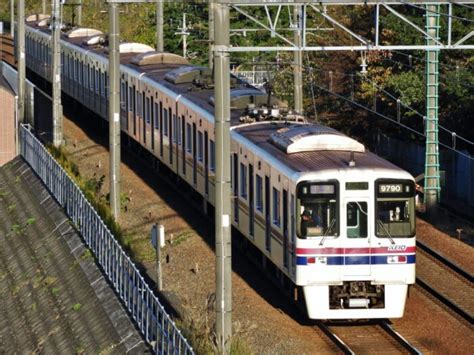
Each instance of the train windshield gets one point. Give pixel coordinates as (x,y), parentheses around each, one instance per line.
(317,210)
(395,209)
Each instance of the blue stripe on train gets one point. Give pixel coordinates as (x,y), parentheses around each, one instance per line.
(356,260)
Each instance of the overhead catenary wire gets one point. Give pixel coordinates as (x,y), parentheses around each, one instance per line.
(436,12)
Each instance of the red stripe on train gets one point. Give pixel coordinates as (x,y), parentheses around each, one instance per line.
(331,251)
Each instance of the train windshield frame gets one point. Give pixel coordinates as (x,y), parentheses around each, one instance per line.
(394,208)
(317,209)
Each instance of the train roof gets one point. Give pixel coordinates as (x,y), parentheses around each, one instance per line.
(302,148)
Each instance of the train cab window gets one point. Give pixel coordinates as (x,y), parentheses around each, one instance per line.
(243,180)
(395,209)
(317,209)
(212,165)
(259,193)
(356,221)
(276,207)
(200,152)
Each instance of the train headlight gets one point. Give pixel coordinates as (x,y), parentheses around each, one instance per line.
(396,259)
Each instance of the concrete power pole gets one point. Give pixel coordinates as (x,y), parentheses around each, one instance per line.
(298,59)
(223,210)
(78,13)
(159,26)
(114,108)
(43,8)
(432,183)
(20,56)
(211,33)
(56,75)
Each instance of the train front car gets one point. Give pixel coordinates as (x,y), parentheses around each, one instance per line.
(355,248)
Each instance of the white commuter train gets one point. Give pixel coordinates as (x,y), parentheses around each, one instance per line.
(336,222)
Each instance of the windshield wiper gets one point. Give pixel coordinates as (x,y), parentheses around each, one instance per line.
(386,231)
(327,231)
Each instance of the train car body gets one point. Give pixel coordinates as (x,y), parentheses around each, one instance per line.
(336,221)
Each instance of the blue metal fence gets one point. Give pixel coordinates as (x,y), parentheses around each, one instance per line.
(146,310)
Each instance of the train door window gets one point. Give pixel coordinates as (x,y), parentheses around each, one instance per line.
(134,110)
(155,116)
(151,108)
(268,244)
(285,229)
(123,93)
(189,142)
(146,114)
(179,129)
(161,128)
(79,65)
(356,219)
(251,201)
(194,155)
(106,85)
(148,111)
(206,163)
(91,80)
(165,122)
(259,193)
(276,207)
(235,171)
(213,156)
(127,103)
(175,129)
(199,147)
(96,81)
(170,114)
(243,180)
(183,124)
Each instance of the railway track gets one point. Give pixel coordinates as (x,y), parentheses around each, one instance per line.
(445,281)
(367,337)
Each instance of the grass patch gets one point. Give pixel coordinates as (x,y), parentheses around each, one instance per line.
(55,290)
(11,208)
(76,307)
(182,237)
(87,255)
(30,221)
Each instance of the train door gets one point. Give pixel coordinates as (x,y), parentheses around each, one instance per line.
(268,220)
(251,202)
(184,143)
(286,250)
(194,155)
(160,113)
(171,135)
(235,170)
(152,121)
(357,241)
(206,162)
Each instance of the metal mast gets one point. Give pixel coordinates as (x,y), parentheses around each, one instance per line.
(159,26)
(222,199)
(432,184)
(21,60)
(12,18)
(56,75)
(114,108)
(298,59)
(211,32)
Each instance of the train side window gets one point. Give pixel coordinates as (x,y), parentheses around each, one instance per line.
(243,180)
(200,147)
(147,111)
(189,143)
(259,193)
(276,207)
(212,165)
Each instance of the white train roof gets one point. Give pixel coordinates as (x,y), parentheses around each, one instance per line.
(313,137)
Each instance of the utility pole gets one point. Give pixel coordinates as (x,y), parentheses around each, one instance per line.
(159,26)
(12,18)
(211,33)
(43,8)
(183,32)
(223,225)
(20,57)
(114,108)
(56,75)
(298,59)
(432,183)
(78,12)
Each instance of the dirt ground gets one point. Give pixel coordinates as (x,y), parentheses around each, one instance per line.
(262,317)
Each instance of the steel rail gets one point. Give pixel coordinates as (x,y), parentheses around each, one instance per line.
(445,261)
(398,337)
(444,300)
(335,339)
